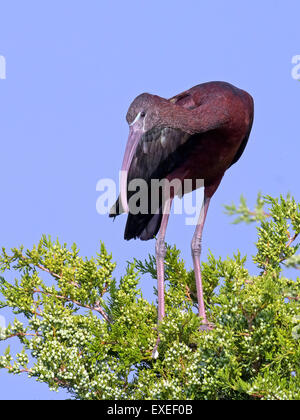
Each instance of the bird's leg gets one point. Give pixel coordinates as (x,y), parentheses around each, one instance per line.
(160,253)
(196,251)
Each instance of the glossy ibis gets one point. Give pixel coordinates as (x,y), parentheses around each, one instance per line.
(197,134)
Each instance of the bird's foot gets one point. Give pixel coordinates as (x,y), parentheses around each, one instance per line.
(155,353)
(206,326)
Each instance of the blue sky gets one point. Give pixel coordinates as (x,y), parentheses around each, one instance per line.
(72,70)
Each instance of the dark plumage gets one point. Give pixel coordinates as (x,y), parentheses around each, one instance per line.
(195,135)
(207,150)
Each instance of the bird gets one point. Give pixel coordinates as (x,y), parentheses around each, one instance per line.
(196,134)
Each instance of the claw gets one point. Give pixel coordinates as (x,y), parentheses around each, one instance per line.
(207,327)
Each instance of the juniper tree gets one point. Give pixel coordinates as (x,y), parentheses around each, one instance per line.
(86,332)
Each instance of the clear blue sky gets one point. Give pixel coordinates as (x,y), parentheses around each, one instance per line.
(73,67)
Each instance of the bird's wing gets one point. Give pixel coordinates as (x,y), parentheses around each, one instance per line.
(189,99)
(157,154)
(195,97)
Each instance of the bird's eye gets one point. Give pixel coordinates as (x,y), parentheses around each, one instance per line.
(143,113)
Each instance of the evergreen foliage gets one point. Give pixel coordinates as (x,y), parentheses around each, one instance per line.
(83,331)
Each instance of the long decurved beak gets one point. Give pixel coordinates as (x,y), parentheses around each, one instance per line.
(134,137)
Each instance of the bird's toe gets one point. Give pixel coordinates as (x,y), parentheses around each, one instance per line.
(208,326)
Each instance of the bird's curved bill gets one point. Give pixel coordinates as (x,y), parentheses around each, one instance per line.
(134,137)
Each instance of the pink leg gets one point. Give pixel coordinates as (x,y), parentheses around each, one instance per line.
(196,251)
(160,252)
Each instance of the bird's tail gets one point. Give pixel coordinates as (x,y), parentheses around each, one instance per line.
(143,226)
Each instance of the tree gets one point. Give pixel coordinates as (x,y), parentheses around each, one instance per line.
(94,336)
